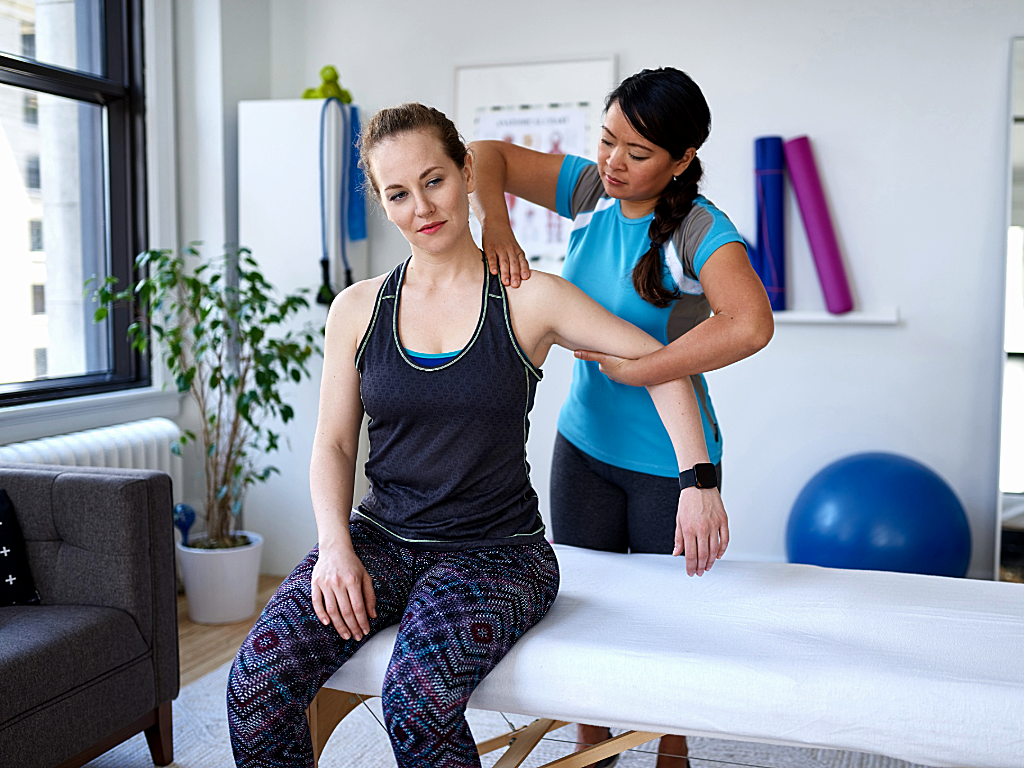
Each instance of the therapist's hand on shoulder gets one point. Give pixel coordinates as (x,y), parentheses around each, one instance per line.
(342,592)
(702,529)
(504,256)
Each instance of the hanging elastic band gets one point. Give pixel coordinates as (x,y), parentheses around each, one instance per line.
(343,191)
(326,294)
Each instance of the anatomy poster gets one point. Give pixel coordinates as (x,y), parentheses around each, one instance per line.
(555,129)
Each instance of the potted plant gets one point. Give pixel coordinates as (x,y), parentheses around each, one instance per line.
(215,327)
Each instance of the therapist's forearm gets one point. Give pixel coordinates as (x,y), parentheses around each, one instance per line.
(488,199)
(679,412)
(719,341)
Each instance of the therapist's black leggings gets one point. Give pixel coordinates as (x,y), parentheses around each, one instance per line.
(600,506)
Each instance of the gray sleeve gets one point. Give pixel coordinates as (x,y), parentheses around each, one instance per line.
(689,235)
(588,191)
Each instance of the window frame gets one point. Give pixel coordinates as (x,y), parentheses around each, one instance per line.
(122,93)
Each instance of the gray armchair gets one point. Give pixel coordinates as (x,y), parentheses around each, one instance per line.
(97,661)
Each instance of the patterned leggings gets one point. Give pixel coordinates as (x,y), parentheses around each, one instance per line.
(460,613)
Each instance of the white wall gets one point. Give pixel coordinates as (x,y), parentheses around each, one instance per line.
(222,55)
(907,106)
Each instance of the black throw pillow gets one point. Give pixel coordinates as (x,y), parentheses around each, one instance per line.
(16,584)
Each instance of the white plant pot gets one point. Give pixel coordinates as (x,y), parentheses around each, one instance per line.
(221,584)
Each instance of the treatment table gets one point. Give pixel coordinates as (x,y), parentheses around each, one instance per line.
(921,668)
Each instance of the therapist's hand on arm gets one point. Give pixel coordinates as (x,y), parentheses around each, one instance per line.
(741,325)
(576,321)
(502,167)
(341,589)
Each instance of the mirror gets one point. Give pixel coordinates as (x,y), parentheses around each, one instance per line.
(1011,454)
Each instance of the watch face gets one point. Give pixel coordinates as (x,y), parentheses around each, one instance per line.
(707,477)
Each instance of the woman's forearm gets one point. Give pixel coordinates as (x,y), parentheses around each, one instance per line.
(331,484)
(679,412)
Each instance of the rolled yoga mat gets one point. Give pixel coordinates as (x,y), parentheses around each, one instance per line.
(803,173)
(769,255)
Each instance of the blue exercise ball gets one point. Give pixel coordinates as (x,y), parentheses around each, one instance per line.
(880,512)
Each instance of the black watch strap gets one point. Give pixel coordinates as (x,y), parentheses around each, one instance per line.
(702,476)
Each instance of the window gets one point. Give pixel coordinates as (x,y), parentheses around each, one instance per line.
(72,122)
(38,299)
(30,112)
(28,44)
(32,172)
(35,235)
(40,361)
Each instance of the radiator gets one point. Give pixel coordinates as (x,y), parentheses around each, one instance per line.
(137,444)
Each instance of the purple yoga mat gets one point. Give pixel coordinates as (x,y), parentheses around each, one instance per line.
(803,173)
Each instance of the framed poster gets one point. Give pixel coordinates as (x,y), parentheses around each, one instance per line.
(552,107)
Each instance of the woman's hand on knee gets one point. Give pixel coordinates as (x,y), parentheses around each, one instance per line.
(702,529)
(342,593)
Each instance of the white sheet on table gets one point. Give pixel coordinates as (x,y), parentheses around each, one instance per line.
(921,668)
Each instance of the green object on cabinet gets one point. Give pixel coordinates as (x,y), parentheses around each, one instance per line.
(329,87)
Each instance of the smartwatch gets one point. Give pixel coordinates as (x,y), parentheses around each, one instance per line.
(702,476)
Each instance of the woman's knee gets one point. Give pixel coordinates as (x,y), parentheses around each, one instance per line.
(284,654)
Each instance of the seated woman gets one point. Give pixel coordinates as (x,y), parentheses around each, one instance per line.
(448,540)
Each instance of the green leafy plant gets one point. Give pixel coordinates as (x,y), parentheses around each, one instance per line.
(213,326)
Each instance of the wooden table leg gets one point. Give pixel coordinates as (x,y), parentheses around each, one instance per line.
(612,746)
(328,708)
(522,742)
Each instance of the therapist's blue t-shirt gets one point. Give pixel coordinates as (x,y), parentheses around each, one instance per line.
(612,422)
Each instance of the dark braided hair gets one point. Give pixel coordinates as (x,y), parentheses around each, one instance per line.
(667,108)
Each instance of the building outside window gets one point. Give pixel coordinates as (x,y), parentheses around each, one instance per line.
(72,149)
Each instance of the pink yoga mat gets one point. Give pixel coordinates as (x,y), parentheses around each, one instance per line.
(803,173)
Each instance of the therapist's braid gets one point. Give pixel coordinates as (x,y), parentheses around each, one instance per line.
(674,204)
(667,108)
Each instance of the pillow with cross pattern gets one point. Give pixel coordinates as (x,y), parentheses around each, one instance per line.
(16,584)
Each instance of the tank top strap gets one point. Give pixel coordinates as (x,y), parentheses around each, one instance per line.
(383,310)
(495,324)
(500,316)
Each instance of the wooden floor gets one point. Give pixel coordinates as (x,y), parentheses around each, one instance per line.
(204,647)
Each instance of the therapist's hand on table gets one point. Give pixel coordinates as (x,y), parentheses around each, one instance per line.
(702,528)
(504,255)
(342,592)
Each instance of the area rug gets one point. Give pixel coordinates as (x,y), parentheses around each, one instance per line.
(201,741)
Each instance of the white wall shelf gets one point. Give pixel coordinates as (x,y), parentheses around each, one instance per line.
(890,316)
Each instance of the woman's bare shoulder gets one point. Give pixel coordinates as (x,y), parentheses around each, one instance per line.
(543,294)
(352,308)
(541,286)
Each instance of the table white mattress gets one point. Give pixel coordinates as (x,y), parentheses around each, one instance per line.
(921,668)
